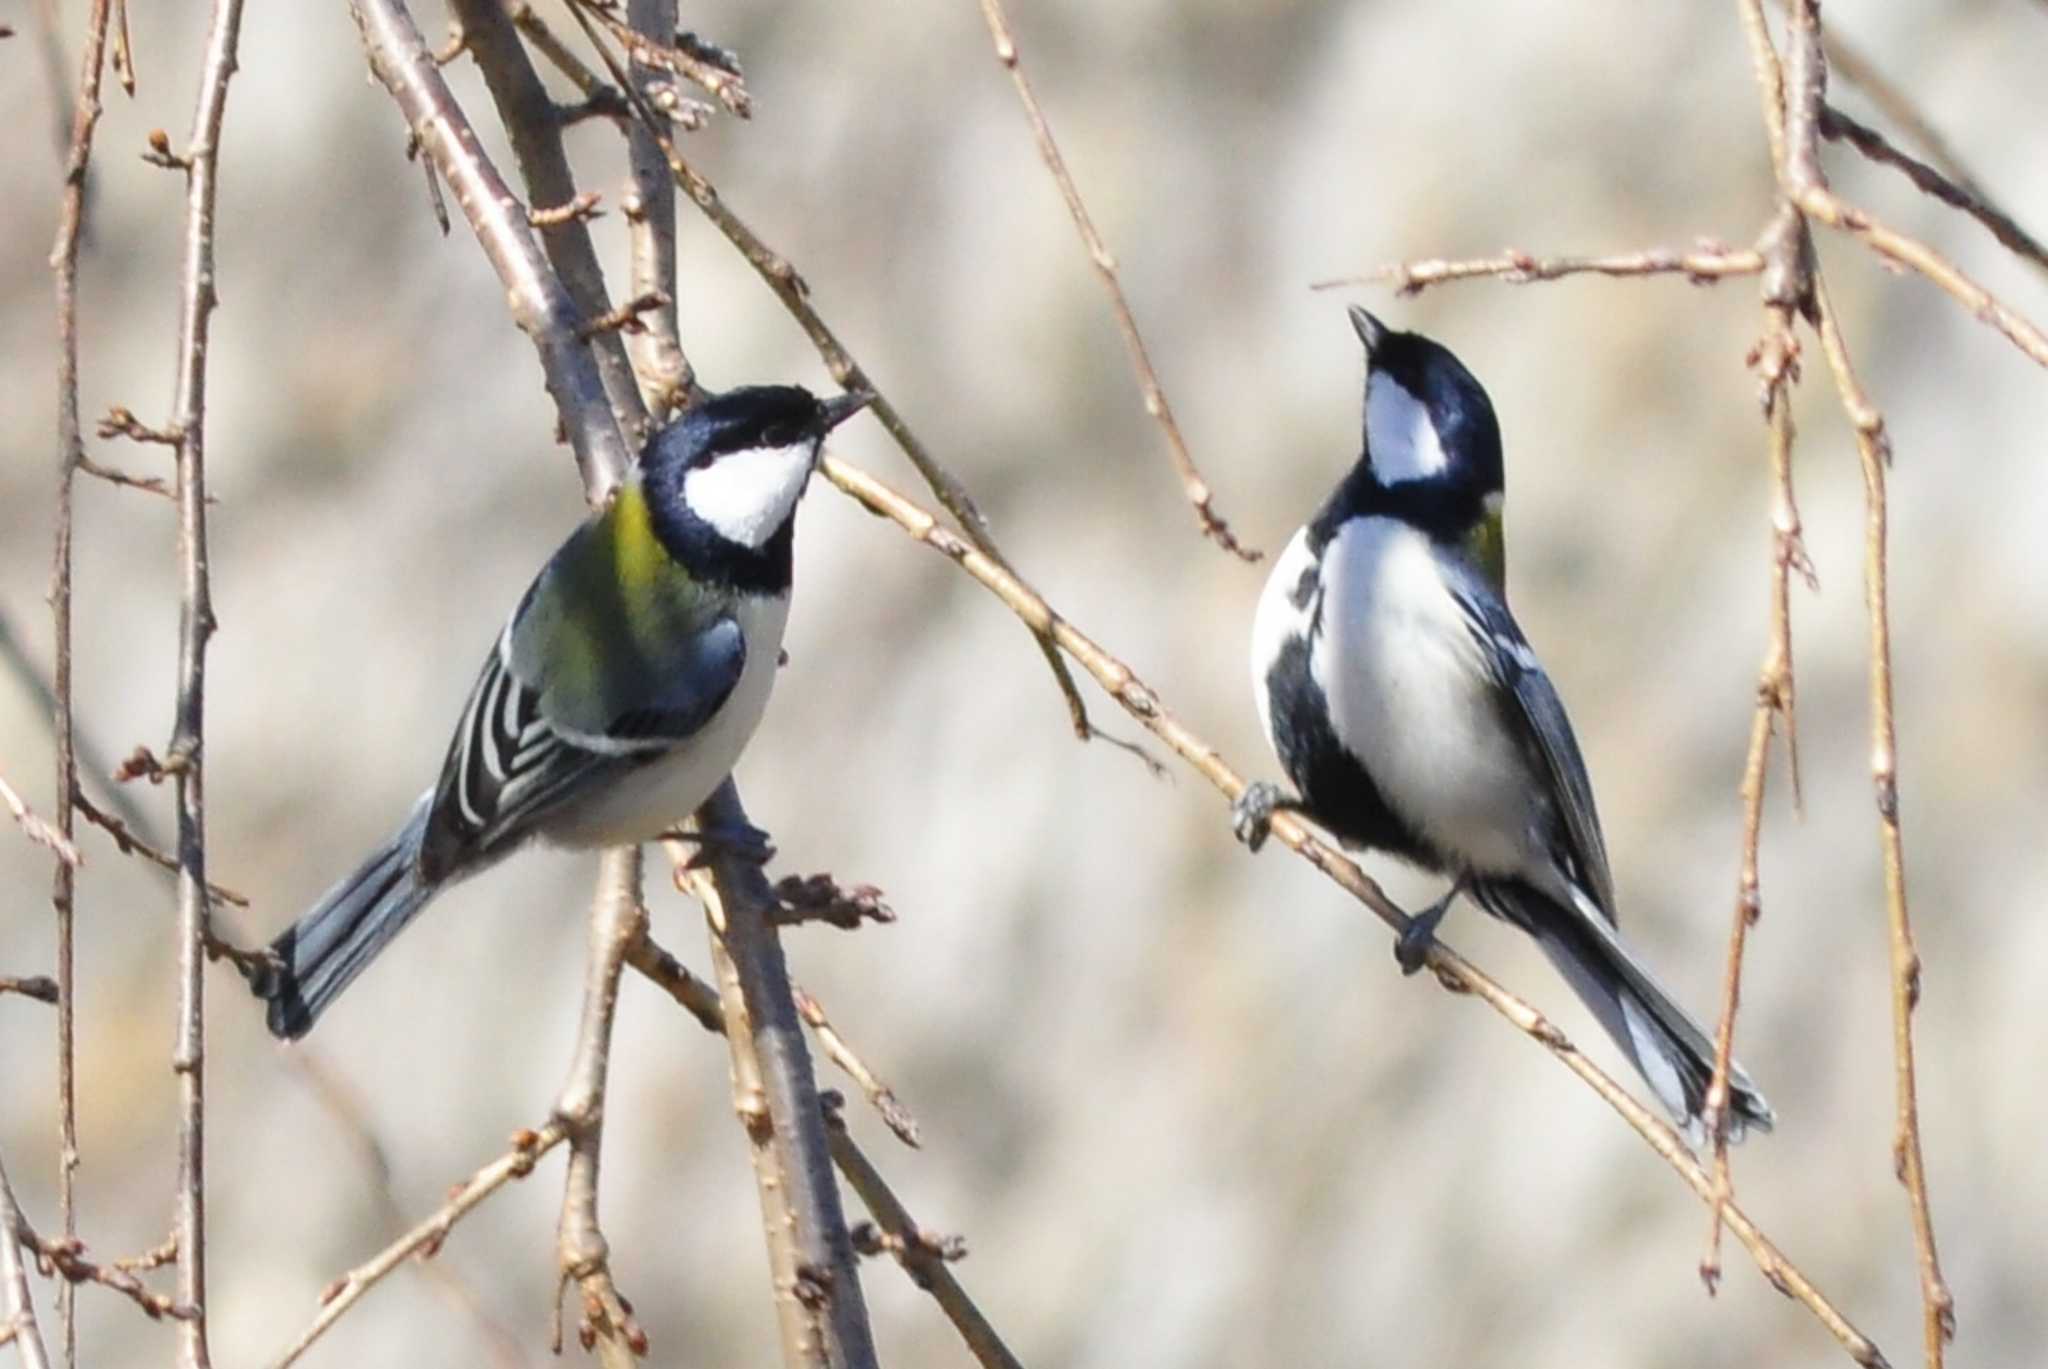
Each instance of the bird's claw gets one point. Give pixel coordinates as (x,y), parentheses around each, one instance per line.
(745,842)
(1251,816)
(1411,948)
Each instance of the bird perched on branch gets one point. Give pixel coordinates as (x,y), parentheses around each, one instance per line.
(617,698)
(1412,716)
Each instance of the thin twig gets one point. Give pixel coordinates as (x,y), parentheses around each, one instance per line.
(666,376)
(1142,703)
(1834,124)
(344,1104)
(1199,496)
(1788,288)
(128,843)
(712,70)
(536,137)
(85,114)
(540,304)
(925,1265)
(789,287)
(618,919)
(1704,264)
(426,1238)
(66,1259)
(195,629)
(1872,445)
(20,1325)
(1805,92)
(817,1278)
(1805,81)
(35,829)
(894,1114)
(40,987)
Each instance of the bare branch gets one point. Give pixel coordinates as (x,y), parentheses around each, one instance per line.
(894,1114)
(1805,84)
(618,919)
(38,831)
(195,629)
(1836,125)
(701,1001)
(1874,448)
(42,988)
(85,114)
(1788,292)
(712,68)
(1199,495)
(128,843)
(539,302)
(425,1239)
(817,1279)
(666,375)
(1142,703)
(789,287)
(66,1259)
(1706,264)
(20,1326)
(922,1258)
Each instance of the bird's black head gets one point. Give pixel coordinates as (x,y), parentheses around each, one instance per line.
(1432,451)
(722,482)
(738,462)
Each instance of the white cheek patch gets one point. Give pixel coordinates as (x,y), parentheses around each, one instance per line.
(746,495)
(1399,437)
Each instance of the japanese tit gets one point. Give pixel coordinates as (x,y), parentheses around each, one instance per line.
(619,694)
(1412,717)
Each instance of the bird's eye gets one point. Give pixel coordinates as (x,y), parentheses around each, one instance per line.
(781,435)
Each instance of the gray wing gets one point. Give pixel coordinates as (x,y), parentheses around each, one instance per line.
(1536,715)
(519,753)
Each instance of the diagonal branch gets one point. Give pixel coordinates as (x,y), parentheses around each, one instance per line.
(20,1324)
(425,1238)
(700,1000)
(539,302)
(780,277)
(1457,974)
(1199,495)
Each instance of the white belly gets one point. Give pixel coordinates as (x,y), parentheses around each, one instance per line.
(649,800)
(1410,696)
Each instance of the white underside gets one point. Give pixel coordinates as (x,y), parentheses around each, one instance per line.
(648,801)
(1410,696)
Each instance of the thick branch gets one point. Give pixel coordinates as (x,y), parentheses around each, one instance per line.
(539,302)
(817,1279)
(536,137)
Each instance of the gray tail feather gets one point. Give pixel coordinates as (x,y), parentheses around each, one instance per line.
(1671,1052)
(318,956)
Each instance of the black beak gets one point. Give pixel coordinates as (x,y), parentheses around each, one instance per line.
(1370,330)
(839,408)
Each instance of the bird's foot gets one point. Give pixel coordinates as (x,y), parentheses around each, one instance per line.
(1411,948)
(1251,817)
(742,842)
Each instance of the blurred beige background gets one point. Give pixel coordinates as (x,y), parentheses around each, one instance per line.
(1177,1098)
